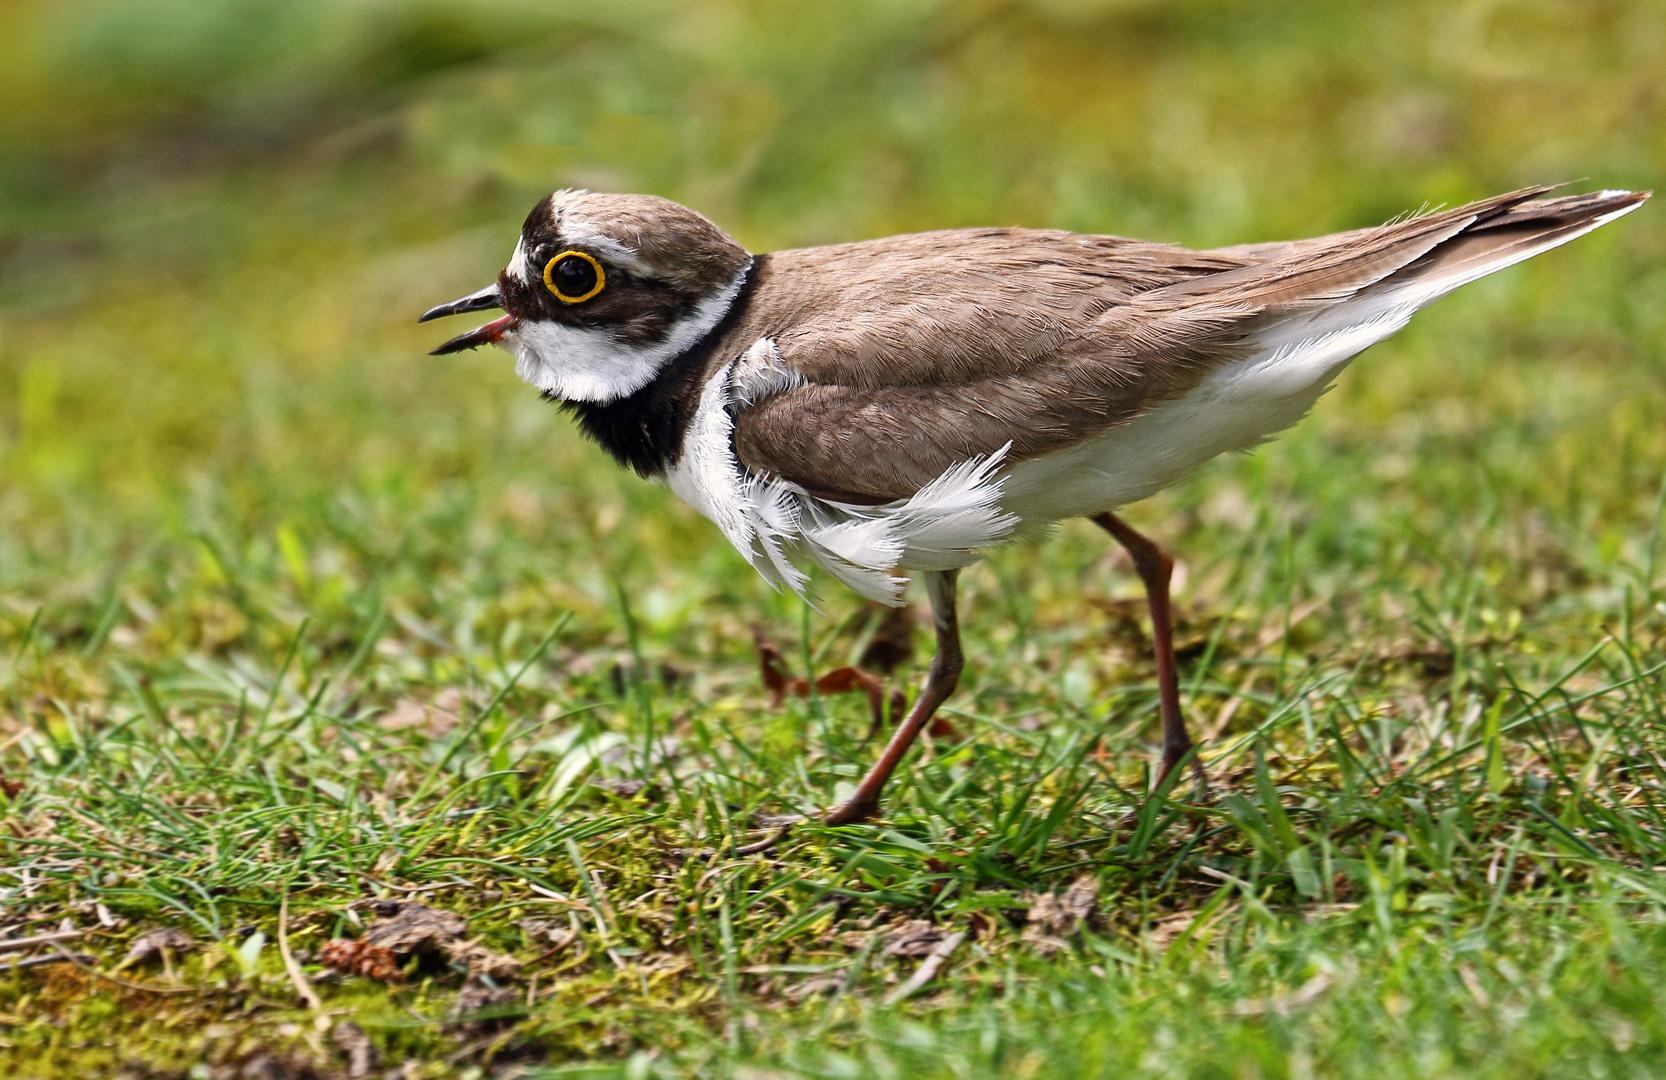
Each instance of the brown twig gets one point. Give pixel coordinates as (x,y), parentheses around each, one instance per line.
(303,986)
(84,962)
(59,957)
(39,939)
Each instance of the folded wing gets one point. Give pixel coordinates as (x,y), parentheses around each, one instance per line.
(946,347)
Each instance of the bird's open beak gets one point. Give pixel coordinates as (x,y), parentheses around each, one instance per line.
(480,300)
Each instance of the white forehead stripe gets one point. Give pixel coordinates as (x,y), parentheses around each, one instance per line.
(587,237)
(578,364)
(520,263)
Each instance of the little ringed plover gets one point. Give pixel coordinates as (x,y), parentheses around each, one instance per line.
(906,403)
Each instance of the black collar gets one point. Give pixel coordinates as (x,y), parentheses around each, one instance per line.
(645,430)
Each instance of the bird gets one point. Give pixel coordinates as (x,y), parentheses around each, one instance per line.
(905,404)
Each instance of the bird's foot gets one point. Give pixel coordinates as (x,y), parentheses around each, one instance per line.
(852,811)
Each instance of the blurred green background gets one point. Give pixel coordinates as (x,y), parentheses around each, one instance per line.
(219,218)
(223,449)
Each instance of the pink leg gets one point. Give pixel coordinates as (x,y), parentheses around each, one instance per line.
(1155,569)
(940,683)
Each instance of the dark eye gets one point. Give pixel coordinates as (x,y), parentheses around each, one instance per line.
(574,277)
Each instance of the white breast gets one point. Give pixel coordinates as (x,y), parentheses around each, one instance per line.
(770,521)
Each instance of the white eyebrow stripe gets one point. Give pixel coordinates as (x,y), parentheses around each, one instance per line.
(603,246)
(607,249)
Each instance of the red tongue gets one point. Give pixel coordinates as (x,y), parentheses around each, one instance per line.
(480,335)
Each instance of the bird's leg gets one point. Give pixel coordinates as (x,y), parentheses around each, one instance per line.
(1155,569)
(940,683)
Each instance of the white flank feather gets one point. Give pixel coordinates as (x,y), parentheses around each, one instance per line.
(949,519)
(774,516)
(861,552)
(868,542)
(769,520)
(875,583)
(759,374)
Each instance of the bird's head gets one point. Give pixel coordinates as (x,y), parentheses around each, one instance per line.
(603,291)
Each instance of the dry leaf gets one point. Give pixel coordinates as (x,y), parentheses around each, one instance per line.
(475,998)
(1081,900)
(361,1054)
(780,682)
(415,930)
(915,938)
(148,947)
(1061,916)
(816,984)
(550,934)
(1169,927)
(433,720)
(483,961)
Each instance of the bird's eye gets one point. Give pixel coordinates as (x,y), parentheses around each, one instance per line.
(574,277)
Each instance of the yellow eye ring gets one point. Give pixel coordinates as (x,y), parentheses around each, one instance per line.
(567,298)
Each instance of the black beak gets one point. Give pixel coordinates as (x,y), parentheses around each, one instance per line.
(479,300)
(480,335)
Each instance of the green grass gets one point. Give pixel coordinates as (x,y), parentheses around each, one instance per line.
(293,618)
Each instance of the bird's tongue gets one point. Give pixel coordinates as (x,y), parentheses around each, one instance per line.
(480,335)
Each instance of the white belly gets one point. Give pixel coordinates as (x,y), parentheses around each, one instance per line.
(1238,405)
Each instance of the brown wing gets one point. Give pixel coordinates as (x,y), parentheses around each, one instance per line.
(920,352)
(872,444)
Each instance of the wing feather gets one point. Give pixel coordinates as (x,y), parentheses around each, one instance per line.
(913,355)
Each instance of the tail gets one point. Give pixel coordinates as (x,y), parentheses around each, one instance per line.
(1307,307)
(1357,288)
(1507,236)
(1413,261)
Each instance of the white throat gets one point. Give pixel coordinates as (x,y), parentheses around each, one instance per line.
(575,364)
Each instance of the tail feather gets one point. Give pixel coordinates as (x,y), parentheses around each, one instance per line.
(1441,250)
(1522,231)
(1297,274)
(1305,331)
